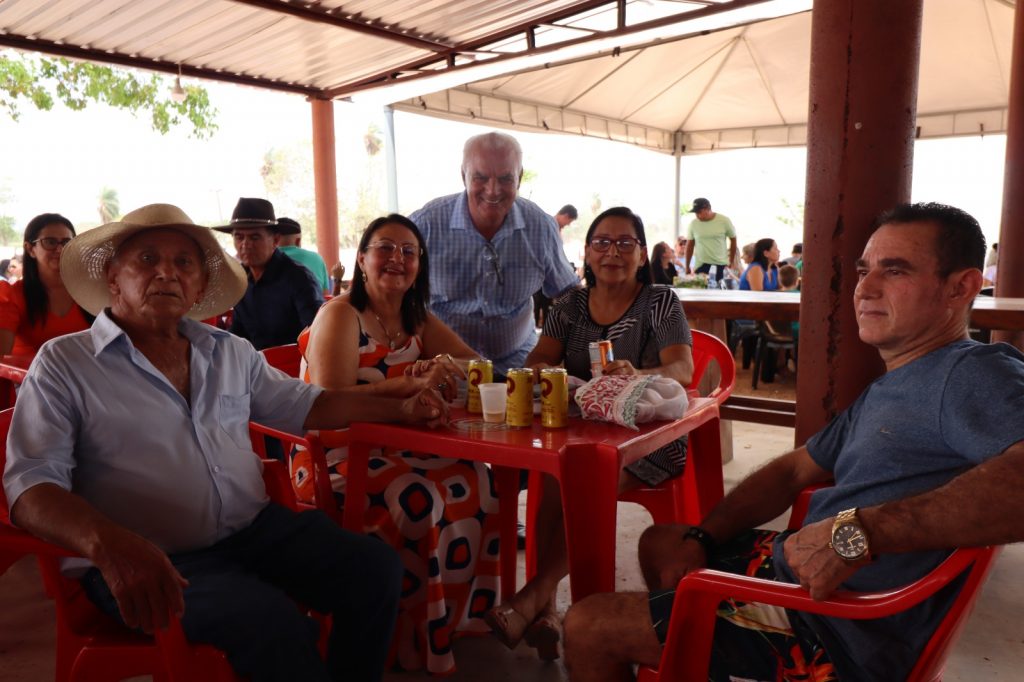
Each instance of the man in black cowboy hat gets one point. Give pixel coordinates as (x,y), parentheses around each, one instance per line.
(283,296)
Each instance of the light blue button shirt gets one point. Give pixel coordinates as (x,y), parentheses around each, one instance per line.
(94,416)
(484,290)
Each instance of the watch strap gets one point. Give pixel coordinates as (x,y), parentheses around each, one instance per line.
(702,536)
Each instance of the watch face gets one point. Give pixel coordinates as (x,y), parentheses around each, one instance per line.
(849,542)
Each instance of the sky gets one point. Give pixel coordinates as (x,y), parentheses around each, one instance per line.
(60,160)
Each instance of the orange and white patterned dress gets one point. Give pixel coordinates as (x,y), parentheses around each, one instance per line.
(441,515)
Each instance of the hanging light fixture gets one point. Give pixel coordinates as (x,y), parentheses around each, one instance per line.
(178,92)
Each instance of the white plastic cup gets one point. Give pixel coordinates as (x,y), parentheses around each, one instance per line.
(493,398)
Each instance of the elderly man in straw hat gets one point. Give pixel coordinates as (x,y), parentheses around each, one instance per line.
(129,445)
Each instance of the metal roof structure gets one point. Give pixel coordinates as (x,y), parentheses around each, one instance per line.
(741,86)
(331,48)
(667,75)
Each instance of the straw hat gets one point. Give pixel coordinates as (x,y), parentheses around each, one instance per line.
(83,264)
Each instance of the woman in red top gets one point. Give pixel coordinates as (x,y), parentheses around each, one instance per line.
(37,308)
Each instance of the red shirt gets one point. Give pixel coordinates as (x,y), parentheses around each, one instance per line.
(28,338)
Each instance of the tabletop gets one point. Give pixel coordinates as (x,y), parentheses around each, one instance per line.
(988,312)
(586,458)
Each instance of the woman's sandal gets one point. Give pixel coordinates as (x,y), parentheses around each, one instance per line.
(544,634)
(507,624)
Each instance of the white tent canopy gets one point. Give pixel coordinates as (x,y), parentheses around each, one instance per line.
(745,86)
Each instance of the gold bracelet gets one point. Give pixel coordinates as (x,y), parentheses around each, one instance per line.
(445,356)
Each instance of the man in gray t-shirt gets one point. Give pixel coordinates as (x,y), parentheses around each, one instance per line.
(908,486)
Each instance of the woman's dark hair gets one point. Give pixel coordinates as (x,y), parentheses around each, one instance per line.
(760,247)
(643,273)
(4,265)
(659,250)
(37,302)
(414,302)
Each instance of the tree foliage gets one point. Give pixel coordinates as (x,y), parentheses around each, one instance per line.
(109,206)
(42,81)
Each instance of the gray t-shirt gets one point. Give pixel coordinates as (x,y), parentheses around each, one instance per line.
(912,430)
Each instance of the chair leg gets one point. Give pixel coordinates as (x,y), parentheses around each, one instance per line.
(758,350)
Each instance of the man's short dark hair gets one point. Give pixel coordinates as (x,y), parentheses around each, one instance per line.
(798,247)
(569,210)
(959,244)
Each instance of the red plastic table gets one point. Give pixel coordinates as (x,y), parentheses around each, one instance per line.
(13,369)
(585,457)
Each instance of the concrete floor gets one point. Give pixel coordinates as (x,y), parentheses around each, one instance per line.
(991,648)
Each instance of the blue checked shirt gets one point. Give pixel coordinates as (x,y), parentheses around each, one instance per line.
(484,290)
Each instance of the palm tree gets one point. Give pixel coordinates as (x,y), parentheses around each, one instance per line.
(110,205)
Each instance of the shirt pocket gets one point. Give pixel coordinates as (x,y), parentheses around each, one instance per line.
(233,418)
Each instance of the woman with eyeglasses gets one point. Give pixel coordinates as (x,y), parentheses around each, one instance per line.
(649,335)
(37,308)
(440,514)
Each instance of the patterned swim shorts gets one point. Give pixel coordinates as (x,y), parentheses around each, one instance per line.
(753,641)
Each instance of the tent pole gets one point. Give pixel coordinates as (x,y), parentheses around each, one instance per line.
(389,153)
(1009,275)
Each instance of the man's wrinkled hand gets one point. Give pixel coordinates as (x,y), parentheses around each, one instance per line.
(816,565)
(620,367)
(141,578)
(426,407)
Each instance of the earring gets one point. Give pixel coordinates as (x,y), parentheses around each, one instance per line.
(364,278)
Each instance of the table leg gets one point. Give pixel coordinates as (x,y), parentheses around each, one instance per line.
(506,479)
(704,485)
(589,483)
(355,486)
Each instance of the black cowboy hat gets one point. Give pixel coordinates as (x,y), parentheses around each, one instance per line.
(251,213)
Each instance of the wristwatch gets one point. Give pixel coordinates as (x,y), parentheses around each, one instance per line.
(849,540)
(701,536)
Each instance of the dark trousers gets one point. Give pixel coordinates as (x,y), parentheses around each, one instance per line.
(242,597)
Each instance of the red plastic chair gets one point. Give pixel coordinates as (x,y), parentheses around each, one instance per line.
(667,503)
(323,494)
(286,358)
(92,646)
(687,651)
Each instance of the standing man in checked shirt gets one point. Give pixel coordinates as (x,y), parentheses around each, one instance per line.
(493,250)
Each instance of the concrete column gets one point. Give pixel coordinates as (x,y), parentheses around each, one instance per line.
(325,181)
(1010,275)
(863,94)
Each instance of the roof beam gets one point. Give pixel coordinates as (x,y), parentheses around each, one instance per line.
(339,18)
(425,68)
(88,54)
(511,32)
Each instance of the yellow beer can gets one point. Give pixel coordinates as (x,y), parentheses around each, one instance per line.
(554,398)
(519,410)
(480,372)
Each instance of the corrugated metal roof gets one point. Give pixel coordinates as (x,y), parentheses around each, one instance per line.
(324,49)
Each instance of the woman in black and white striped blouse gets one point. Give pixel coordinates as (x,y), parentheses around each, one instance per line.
(649,335)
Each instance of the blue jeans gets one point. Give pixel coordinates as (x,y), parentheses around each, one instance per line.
(242,593)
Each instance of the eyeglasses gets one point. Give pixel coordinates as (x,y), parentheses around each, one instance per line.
(491,254)
(388,249)
(51,243)
(622,244)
